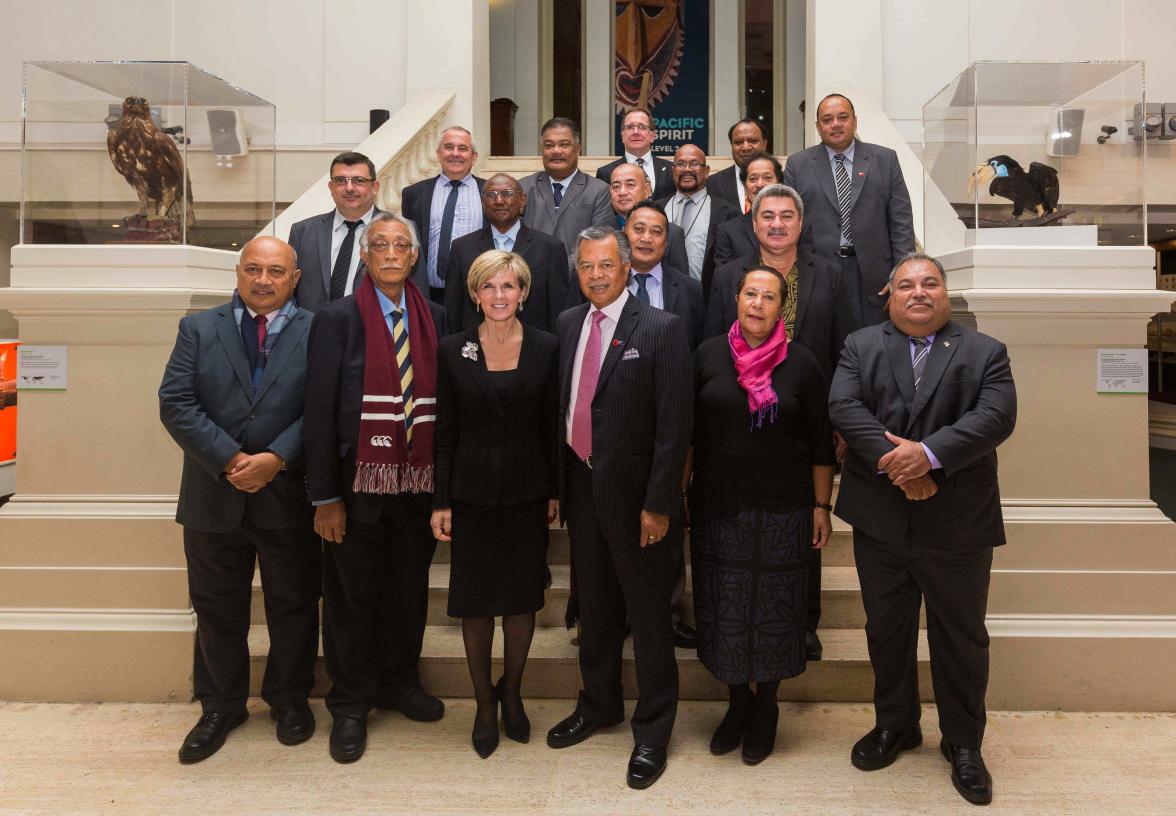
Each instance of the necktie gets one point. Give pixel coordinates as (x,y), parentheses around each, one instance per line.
(404,360)
(683,207)
(640,162)
(446,236)
(505,243)
(843,190)
(586,390)
(642,293)
(922,349)
(557,193)
(342,266)
(259,366)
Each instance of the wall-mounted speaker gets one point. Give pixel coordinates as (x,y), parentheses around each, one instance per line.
(227,129)
(1064,135)
(376,118)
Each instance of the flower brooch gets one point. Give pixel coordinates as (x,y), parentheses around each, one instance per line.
(470,351)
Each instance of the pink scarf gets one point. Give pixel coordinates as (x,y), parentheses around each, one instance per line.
(753,369)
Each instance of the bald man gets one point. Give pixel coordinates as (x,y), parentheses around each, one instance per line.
(232,398)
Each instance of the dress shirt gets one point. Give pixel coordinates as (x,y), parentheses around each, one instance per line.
(914,350)
(848,169)
(647,167)
(608,327)
(512,233)
(741,191)
(467,218)
(696,227)
(653,285)
(338,233)
(566,182)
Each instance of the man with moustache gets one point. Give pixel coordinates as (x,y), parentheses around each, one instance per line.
(748,138)
(923,403)
(327,245)
(503,201)
(370,407)
(232,398)
(637,135)
(694,210)
(736,237)
(859,211)
(443,208)
(561,200)
(627,187)
(627,408)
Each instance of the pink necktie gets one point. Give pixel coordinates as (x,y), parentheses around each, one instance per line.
(586,390)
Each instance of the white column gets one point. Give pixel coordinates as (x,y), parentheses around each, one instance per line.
(599,54)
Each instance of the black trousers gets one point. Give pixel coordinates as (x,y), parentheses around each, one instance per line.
(895,578)
(857,309)
(615,577)
(375,605)
(220,583)
(676,540)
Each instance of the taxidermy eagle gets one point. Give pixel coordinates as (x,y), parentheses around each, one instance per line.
(1036,190)
(150,162)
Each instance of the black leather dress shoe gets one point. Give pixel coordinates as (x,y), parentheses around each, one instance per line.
(348,739)
(968,773)
(575,728)
(208,735)
(295,722)
(880,747)
(812,646)
(685,636)
(416,704)
(645,766)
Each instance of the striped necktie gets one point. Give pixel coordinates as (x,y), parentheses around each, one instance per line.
(841,176)
(404,360)
(922,349)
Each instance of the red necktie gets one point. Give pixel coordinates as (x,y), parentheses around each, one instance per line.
(262,325)
(586,390)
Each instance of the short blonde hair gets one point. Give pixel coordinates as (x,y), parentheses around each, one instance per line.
(490,263)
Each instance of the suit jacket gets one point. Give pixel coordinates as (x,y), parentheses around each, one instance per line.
(720,212)
(663,175)
(883,228)
(735,239)
(724,184)
(207,404)
(416,204)
(586,203)
(549,277)
(966,405)
(681,296)
(642,414)
(311,239)
(819,294)
(334,395)
(495,453)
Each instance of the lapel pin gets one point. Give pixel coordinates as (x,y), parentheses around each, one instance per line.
(946,343)
(616,342)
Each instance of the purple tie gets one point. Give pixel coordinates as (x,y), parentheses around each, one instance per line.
(586,390)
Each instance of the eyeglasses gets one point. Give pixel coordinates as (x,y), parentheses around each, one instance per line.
(693,164)
(357,181)
(400,247)
(505,195)
(636,126)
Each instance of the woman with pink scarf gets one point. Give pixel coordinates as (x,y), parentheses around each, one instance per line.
(759,505)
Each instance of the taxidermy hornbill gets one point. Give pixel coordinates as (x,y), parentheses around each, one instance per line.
(1036,190)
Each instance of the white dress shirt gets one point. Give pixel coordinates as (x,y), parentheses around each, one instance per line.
(510,236)
(567,182)
(653,285)
(338,233)
(608,327)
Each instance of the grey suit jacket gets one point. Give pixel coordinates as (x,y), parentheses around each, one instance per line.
(965,406)
(585,204)
(883,228)
(207,404)
(311,239)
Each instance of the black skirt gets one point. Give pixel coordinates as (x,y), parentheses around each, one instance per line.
(750,574)
(497,559)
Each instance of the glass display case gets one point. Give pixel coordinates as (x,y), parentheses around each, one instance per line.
(143,153)
(1039,144)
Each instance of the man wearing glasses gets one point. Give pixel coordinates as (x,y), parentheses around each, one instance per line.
(637,135)
(327,245)
(696,211)
(444,208)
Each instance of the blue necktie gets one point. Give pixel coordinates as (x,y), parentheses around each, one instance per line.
(642,292)
(557,193)
(446,237)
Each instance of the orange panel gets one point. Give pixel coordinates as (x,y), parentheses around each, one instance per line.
(7,401)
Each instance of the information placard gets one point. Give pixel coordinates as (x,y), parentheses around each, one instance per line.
(1121,371)
(41,368)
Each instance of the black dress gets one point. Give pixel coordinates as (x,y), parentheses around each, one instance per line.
(494,453)
(751,501)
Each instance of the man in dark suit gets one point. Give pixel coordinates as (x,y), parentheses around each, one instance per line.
(736,237)
(628,187)
(368,434)
(859,211)
(748,138)
(443,208)
(232,397)
(637,135)
(627,409)
(696,211)
(561,200)
(327,245)
(923,404)
(503,200)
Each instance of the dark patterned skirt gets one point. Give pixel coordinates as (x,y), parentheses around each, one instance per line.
(750,575)
(497,559)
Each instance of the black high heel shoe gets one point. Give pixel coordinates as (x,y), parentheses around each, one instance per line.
(487,744)
(518,729)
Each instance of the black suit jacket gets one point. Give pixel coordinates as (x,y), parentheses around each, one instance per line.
(819,294)
(720,212)
(544,255)
(493,453)
(736,238)
(334,396)
(724,185)
(642,415)
(311,239)
(681,296)
(966,405)
(663,174)
(416,204)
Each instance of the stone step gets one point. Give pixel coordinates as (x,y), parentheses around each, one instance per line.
(844,675)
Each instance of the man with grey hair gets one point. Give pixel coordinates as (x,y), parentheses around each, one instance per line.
(626,402)
(444,207)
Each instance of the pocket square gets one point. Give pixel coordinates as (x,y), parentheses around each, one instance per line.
(630,354)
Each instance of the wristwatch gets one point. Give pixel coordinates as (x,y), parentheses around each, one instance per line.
(822,506)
